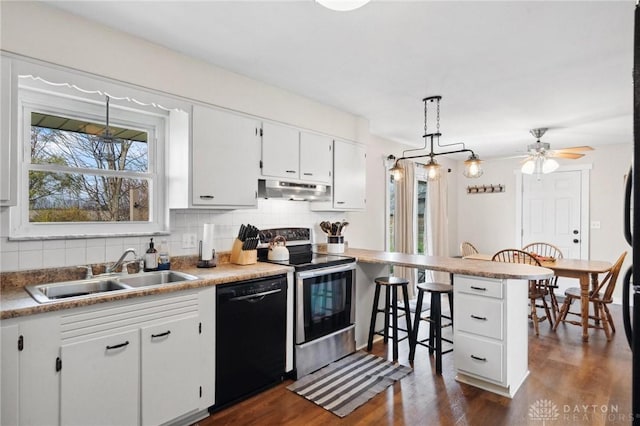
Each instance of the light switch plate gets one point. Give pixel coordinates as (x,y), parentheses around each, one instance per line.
(189,241)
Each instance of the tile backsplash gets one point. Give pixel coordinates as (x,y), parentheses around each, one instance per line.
(36,254)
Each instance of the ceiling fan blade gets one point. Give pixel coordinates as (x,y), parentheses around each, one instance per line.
(575,149)
(569,155)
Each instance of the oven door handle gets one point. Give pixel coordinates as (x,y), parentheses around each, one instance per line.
(325,271)
(250,297)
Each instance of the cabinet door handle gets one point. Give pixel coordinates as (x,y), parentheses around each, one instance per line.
(339,202)
(479,318)
(477,358)
(166,333)
(308,174)
(478,288)
(207,197)
(290,171)
(121,345)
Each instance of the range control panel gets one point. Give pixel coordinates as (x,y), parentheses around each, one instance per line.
(292,235)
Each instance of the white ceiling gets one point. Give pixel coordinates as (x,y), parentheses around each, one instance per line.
(502,67)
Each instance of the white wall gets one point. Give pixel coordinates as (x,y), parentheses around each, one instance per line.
(489,220)
(70,41)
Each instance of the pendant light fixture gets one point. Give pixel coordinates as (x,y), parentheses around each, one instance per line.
(472,166)
(342,5)
(107,149)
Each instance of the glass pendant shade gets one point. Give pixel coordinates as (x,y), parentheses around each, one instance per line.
(433,170)
(396,172)
(472,167)
(342,5)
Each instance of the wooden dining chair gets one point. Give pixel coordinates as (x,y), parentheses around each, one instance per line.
(538,289)
(549,251)
(466,248)
(600,297)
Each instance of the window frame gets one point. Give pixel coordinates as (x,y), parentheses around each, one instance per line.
(90,106)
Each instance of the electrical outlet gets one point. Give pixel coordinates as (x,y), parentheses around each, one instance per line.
(189,241)
(595,224)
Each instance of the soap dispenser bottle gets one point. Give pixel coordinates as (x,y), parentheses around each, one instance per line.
(151,258)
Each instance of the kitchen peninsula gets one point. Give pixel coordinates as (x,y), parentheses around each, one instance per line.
(490,321)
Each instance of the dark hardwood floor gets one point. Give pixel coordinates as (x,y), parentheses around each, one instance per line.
(587,383)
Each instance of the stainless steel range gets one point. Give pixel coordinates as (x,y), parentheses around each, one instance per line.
(324,299)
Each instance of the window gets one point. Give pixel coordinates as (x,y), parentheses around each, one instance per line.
(76,175)
(74,178)
(420,216)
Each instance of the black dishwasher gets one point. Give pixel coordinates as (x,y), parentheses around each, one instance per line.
(251,322)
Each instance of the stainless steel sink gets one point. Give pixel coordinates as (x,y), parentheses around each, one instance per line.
(149,279)
(44,293)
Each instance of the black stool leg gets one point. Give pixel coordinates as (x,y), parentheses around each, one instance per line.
(387,304)
(450,296)
(432,325)
(416,326)
(407,313)
(437,314)
(395,323)
(374,314)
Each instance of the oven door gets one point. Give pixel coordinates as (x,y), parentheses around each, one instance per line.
(325,301)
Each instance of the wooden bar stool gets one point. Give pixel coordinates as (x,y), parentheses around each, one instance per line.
(434,341)
(391,285)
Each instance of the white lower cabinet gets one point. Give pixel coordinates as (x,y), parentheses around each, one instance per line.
(99,384)
(132,362)
(145,361)
(29,385)
(169,376)
(491,333)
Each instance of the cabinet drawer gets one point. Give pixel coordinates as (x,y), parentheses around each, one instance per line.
(479,357)
(479,286)
(479,315)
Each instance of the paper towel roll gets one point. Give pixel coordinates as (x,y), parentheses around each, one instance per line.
(207,241)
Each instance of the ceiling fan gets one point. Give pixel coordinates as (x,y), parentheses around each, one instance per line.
(540,157)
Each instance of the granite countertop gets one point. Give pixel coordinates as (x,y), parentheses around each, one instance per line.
(16,302)
(478,268)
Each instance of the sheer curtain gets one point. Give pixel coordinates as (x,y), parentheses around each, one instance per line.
(436,233)
(405,224)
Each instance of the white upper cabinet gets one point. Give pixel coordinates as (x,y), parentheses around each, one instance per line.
(225,155)
(8,138)
(291,154)
(316,157)
(280,151)
(349,176)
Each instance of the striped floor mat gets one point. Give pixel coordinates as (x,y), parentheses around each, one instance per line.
(346,384)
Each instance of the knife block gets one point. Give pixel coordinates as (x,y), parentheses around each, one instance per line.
(242,257)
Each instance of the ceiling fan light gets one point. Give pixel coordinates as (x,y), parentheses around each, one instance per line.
(342,5)
(472,168)
(529,167)
(549,165)
(433,170)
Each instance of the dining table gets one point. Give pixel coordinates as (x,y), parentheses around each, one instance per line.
(586,271)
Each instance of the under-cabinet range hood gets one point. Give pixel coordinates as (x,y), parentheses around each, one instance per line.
(293,190)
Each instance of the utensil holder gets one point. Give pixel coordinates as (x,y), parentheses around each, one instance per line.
(242,257)
(335,244)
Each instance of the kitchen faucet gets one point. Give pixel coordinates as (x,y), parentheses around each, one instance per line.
(115,266)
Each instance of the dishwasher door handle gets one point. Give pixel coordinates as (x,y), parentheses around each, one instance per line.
(250,297)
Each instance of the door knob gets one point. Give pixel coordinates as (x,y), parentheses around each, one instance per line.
(576,241)
(575,232)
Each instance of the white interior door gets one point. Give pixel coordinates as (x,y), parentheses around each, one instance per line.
(551,211)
